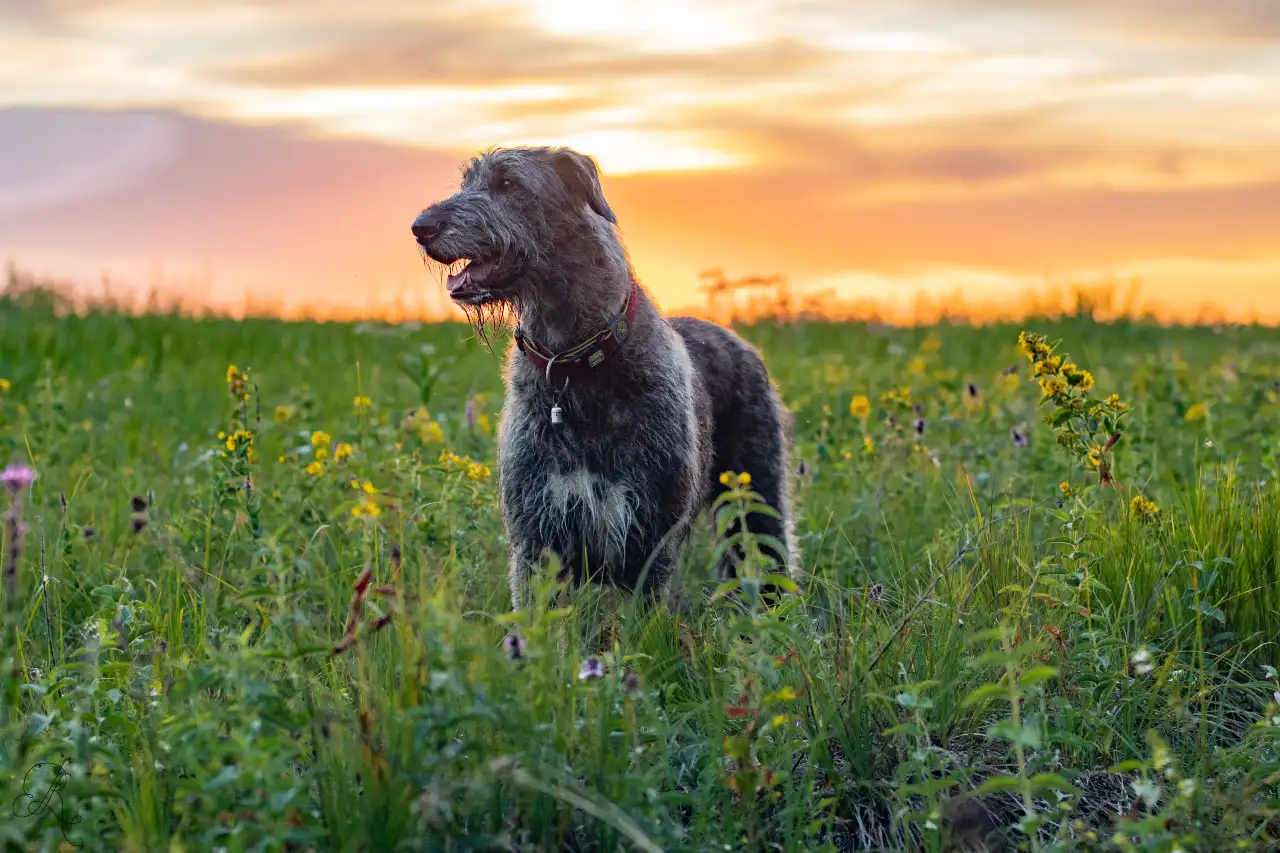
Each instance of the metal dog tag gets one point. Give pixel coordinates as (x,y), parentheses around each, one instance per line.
(557,415)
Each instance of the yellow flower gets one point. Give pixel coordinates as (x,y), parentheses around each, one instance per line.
(726,479)
(1065,488)
(1009,381)
(361,403)
(900,396)
(342,451)
(1085,381)
(368,488)
(860,406)
(1114,402)
(482,421)
(5,384)
(1053,386)
(478,472)
(1143,507)
(239,439)
(319,438)
(368,508)
(1094,455)
(283,413)
(930,344)
(780,720)
(1198,412)
(916,365)
(316,469)
(232,373)
(744,479)
(868,446)
(281,460)
(1048,367)
(431,433)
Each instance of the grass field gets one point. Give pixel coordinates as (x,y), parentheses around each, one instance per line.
(255,600)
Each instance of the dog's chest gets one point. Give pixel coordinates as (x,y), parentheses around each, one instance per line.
(583,505)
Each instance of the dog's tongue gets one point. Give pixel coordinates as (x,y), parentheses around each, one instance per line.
(472,277)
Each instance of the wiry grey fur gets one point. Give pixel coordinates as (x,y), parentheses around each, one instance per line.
(644,438)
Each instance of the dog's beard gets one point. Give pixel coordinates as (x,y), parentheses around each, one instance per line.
(486,319)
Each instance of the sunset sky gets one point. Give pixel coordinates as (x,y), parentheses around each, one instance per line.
(281,149)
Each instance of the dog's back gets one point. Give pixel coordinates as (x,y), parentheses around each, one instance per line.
(750,424)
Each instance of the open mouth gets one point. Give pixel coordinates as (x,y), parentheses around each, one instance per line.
(471,282)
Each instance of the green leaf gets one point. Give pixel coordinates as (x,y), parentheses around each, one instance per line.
(1037,674)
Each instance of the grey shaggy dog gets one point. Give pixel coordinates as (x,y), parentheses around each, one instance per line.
(612,482)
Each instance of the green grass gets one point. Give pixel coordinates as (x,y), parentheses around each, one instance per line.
(972,652)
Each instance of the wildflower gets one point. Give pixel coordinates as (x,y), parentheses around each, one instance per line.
(744,479)
(432,434)
(630,683)
(916,365)
(1143,507)
(1141,661)
(1053,385)
(592,669)
(971,391)
(868,446)
(361,403)
(5,385)
(237,379)
(322,453)
(1198,412)
(930,345)
(1065,488)
(320,438)
(483,421)
(17,477)
(726,479)
(368,508)
(239,440)
(1094,455)
(876,592)
(860,406)
(514,645)
(283,414)
(368,488)
(341,452)
(897,396)
(1048,367)
(919,425)
(1019,440)
(478,472)
(469,413)
(1033,346)
(316,469)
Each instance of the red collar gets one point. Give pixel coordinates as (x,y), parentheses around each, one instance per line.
(583,358)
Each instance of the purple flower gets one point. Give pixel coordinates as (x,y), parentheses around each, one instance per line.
(591,669)
(17,477)
(514,645)
(1019,439)
(630,683)
(470,413)
(876,592)
(919,426)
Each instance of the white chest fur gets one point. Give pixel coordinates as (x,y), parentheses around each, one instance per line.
(588,506)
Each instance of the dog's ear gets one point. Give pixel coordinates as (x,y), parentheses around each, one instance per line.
(581,176)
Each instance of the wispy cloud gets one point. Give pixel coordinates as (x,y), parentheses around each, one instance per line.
(824,137)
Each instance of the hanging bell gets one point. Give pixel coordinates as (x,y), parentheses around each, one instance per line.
(557,415)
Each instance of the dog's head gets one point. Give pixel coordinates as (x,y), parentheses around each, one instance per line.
(518,210)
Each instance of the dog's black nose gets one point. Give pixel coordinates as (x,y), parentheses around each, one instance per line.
(428,224)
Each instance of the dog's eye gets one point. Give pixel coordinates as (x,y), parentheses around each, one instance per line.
(505,184)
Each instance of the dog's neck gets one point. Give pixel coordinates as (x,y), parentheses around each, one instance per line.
(574,305)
